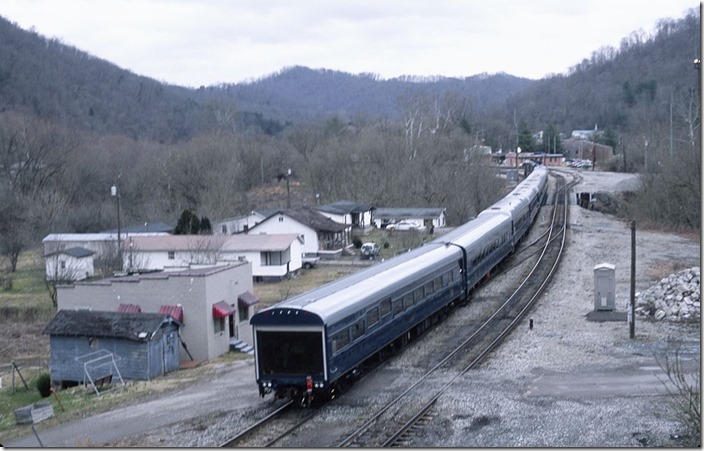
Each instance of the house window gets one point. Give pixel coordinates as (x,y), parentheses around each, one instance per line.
(243,313)
(63,264)
(281,219)
(273,259)
(219,324)
(172,255)
(224,228)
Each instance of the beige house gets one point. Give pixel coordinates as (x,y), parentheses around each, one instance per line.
(213,303)
(272,256)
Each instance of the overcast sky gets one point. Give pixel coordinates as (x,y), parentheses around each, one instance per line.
(193,43)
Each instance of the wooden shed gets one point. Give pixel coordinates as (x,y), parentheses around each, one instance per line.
(91,345)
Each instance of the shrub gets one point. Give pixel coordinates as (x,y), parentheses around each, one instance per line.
(357,241)
(44,385)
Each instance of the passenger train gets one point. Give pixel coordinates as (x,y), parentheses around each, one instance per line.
(311,345)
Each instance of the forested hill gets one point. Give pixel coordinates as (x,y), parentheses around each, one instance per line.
(317,93)
(616,88)
(45,78)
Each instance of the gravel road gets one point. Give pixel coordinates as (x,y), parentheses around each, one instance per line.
(567,381)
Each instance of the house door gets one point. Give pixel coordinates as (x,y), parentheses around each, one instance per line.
(171,352)
(233,327)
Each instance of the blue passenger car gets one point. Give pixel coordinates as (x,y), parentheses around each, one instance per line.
(311,345)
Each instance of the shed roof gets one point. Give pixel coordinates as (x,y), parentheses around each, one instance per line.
(89,323)
(344,207)
(147,227)
(76,252)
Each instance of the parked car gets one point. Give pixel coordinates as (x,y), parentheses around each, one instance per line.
(369,251)
(310,262)
(404,225)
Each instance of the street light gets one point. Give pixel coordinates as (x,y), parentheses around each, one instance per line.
(288,189)
(116,195)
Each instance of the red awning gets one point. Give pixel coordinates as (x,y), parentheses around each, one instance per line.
(247,299)
(222,309)
(176,312)
(129,308)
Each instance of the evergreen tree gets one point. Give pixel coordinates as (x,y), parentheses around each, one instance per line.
(205,227)
(525,139)
(185,223)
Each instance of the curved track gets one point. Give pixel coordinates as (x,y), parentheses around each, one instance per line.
(395,423)
(391,424)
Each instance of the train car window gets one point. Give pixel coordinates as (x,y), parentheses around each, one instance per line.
(418,294)
(438,283)
(397,306)
(372,317)
(428,289)
(340,340)
(385,307)
(357,330)
(408,300)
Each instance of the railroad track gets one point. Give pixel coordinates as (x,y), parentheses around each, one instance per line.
(395,423)
(274,427)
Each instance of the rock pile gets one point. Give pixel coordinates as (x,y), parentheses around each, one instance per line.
(675,298)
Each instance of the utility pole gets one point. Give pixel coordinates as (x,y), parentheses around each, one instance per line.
(632,305)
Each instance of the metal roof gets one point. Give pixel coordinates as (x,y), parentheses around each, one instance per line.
(344,207)
(77,252)
(89,323)
(239,242)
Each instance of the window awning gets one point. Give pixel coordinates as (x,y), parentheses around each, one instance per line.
(247,299)
(222,309)
(129,308)
(176,312)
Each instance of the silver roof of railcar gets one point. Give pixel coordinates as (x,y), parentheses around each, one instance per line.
(342,297)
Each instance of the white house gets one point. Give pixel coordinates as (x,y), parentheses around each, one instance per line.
(319,235)
(421,217)
(75,263)
(102,244)
(272,255)
(238,224)
(347,212)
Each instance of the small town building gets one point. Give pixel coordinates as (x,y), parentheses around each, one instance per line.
(319,235)
(87,346)
(213,303)
(75,263)
(273,256)
(428,218)
(238,224)
(346,212)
